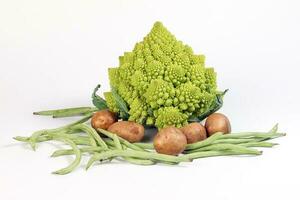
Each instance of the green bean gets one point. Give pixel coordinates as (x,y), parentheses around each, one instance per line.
(89,130)
(77,159)
(86,129)
(204,154)
(205,142)
(77,139)
(109,141)
(26,139)
(36,134)
(233,141)
(261,135)
(67,112)
(144,145)
(136,161)
(72,114)
(251,135)
(136,154)
(62,152)
(139,161)
(117,142)
(231,147)
(258,144)
(123,141)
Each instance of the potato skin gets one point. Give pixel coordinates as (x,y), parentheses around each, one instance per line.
(217,122)
(194,132)
(103,119)
(131,131)
(170,141)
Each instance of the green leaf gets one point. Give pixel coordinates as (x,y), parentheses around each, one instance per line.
(120,103)
(98,101)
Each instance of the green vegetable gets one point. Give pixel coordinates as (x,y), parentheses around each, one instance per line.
(136,154)
(160,83)
(76,151)
(137,161)
(123,141)
(115,147)
(120,104)
(205,142)
(67,112)
(96,139)
(203,154)
(63,152)
(226,147)
(258,144)
(163,82)
(65,128)
(214,107)
(98,101)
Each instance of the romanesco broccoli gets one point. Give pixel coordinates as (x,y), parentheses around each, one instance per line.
(162,81)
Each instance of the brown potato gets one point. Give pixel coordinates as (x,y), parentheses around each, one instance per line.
(103,119)
(131,131)
(170,141)
(194,132)
(217,122)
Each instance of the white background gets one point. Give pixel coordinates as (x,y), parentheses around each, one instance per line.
(53,53)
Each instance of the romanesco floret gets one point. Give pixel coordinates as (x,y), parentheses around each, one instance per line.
(170,116)
(110,102)
(162,81)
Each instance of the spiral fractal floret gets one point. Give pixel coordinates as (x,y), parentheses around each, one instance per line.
(162,81)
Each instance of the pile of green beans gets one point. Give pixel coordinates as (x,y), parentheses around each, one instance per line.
(102,145)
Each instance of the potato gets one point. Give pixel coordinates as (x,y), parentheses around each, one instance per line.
(217,122)
(103,119)
(131,131)
(194,132)
(170,141)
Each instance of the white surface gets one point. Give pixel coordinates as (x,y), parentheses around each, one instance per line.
(53,53)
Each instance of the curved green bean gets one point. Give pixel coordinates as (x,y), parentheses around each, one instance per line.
(76,161)
(92,133)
